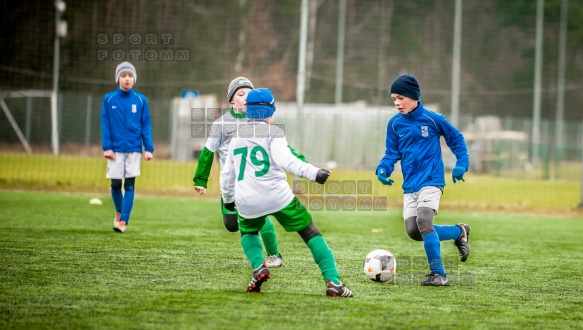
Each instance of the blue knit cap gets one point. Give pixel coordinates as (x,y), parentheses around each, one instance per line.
(260,104)
(406,85)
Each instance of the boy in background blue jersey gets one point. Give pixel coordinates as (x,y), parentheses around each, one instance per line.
(413,137)
(126,130)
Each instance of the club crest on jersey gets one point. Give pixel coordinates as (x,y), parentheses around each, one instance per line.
(424,131)
(134,108)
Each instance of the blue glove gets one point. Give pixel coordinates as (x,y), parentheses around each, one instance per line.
(458,173)
(383,177)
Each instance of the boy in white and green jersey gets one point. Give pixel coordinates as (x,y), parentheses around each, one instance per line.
(254,182)
(218,141)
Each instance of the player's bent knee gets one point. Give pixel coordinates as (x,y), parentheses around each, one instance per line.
(413,229)
(309,232)
(116,184)
(425,220)
(251,233)
(129,182)
(230,222)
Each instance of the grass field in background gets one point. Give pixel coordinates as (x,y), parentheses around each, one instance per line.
(62,266)
(168,178)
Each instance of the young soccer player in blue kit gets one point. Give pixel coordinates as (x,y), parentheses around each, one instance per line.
(413,137)
(126,130)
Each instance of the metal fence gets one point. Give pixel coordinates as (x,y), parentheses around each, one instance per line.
(345,135)
(511,71)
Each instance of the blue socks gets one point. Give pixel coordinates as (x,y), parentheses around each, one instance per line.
(433,252)
(117,197)
(446,233)
(127,204)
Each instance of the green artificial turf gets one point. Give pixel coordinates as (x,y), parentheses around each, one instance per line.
(62,266)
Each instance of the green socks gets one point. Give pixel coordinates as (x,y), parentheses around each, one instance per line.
(269,238)
(324,258)
(252,248)
(320,251)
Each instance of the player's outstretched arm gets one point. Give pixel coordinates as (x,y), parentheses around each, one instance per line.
(298,155)
(203,170)
(456,143)
(392,155)
(283,157)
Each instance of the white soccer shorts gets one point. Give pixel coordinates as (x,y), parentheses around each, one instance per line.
(125,165)
(426,197)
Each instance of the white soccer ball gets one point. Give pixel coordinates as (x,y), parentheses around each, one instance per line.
(380,265)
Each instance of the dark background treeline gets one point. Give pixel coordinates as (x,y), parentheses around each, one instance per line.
(260,39)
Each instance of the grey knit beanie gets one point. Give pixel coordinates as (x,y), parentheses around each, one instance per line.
(239,82)
(125,67)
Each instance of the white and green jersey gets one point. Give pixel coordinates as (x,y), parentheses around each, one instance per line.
(221,132)
(219,137)
(218,140)
(253,174)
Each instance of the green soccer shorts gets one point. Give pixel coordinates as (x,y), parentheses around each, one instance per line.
(293,217)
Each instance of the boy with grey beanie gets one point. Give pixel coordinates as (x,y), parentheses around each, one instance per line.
(126,131)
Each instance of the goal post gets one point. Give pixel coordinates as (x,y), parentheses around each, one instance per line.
(6,110)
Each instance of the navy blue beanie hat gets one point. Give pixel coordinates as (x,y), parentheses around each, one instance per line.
(260,103)
(406,85)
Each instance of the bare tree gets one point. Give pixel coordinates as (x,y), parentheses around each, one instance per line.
(314,5)
(241,48)
(386,17)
